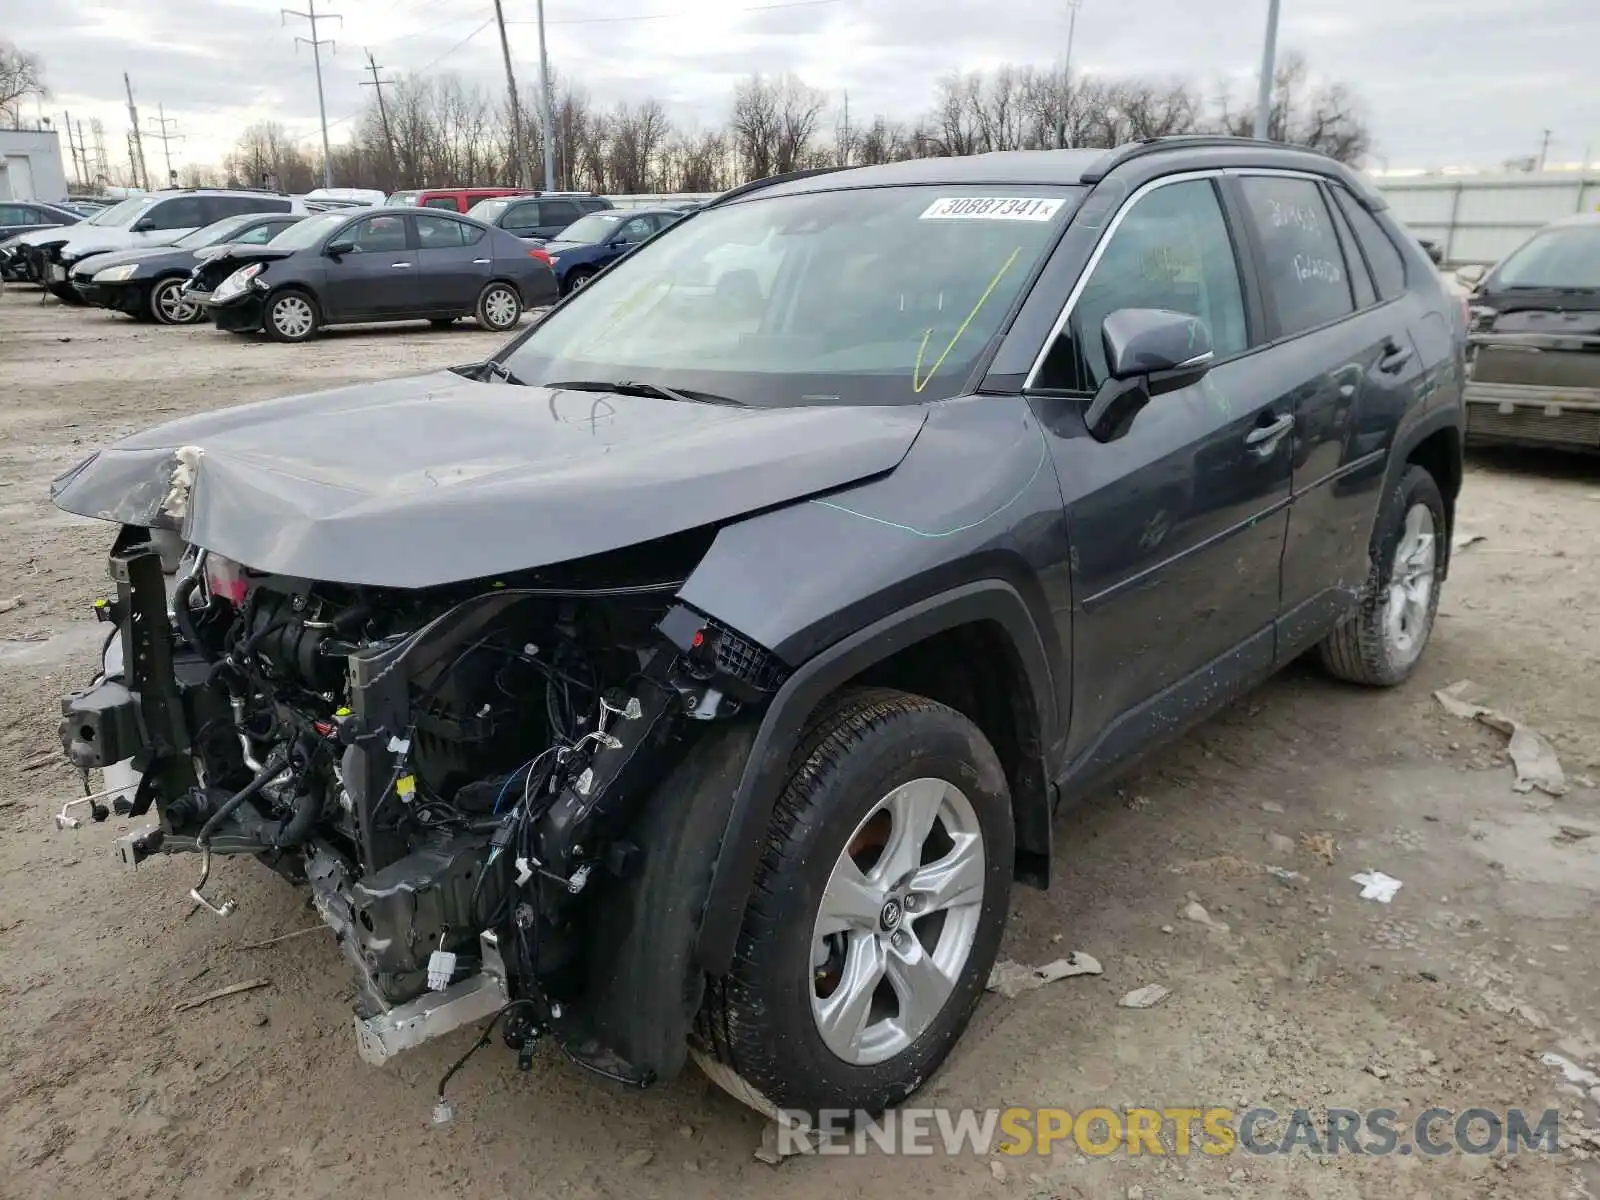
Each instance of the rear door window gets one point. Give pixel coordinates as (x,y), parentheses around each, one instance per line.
(181,212)
(1388,265)
(558,213)
(1171,250)
(439,233)
(594,204)
(442,202)
(522,219)
(1303,264)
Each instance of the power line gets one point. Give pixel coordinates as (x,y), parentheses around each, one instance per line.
(457,46)
(674,16)
(316,45)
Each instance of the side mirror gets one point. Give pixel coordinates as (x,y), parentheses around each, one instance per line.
(1471,275)
(1149,352)
(142,225)
(338,247)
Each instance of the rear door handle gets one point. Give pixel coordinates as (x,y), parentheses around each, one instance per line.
(401,266)
(1395,356)
(1263,440)
(482,262)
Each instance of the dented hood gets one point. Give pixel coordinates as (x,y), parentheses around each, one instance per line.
(437,479)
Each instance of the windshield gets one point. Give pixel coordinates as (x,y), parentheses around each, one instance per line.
(487,210)
(122,214)
(1565,257)
(308,233)
(877,296)
(593,228)
(403,198)
(209,235)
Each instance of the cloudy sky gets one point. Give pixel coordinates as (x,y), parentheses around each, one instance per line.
(1445,82)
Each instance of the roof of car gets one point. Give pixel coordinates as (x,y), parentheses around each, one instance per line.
(1061,167)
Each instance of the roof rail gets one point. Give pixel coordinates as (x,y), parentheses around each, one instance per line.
(1129,151)
(755,185)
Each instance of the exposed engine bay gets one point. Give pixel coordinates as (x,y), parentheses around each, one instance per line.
(452,771)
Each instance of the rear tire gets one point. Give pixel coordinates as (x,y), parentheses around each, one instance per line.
(499,308)
(876,914)
(1381,644)
(290,316)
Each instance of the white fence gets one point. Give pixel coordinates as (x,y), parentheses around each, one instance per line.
(1482,218)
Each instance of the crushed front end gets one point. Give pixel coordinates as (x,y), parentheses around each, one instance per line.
(452,771)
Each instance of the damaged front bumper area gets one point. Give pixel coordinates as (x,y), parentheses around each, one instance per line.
(454,772)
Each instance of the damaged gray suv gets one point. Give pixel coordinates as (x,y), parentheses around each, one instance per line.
(698,674)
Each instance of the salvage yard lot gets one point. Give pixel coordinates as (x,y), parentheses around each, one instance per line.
(1488,957)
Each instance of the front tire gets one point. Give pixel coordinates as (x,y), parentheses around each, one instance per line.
(578,277)
(876,914)
(167,306)
(1381,644)
(499,308)
(290,316)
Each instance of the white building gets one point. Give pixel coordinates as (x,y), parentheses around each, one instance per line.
(30,165)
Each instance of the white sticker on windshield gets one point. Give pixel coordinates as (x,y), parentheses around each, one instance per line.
(992,208)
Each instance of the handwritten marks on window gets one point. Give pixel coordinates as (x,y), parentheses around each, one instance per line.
(1304,262)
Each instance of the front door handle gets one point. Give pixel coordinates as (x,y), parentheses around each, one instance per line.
(1395,356)
(482,262)
(1264,439)
(401,266)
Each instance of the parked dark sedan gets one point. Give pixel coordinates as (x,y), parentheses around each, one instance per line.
(1535,333)
(146,283)
(542,216)
(341,267)
(24,216)
(581,250)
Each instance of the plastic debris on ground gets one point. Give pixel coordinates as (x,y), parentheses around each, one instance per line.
(1195,911)
(1531,753)
(1375,885)
(1146,997)
(1463,541)
(1011,979)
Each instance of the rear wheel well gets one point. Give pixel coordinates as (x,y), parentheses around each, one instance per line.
(1440,455)
(974,669)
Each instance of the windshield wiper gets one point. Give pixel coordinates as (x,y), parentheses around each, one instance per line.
(630,387)
(498,370)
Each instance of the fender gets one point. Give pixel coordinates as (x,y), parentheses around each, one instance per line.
(1418,425)
(767,767)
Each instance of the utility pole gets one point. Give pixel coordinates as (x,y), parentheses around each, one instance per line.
(517,179)
(1066,70)
(166,139)
(383,112)
(1269,52)
(316,45)
(72,149)
(1544,149)
(140,171)
(544,107)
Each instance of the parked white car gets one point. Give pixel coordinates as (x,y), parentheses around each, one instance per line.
(138,223)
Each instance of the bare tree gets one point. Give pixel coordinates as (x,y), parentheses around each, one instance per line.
(21,76)
(755,127)
(955,114)
(1325,117)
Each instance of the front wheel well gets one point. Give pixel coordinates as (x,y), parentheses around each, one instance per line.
(974,669)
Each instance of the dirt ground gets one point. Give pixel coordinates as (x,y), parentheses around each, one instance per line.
(1486,959)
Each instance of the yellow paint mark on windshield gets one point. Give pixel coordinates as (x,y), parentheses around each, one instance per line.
(920,381)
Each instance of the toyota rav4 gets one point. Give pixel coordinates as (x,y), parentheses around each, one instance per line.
(699,673)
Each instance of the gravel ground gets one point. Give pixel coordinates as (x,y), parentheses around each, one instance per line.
(1313,997)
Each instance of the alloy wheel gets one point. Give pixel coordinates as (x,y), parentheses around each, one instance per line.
(1409,606)
(173,308)
(897,921)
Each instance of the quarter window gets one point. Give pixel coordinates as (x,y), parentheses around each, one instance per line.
(1388,268)
(1302,261)
(1172,251)
(1360,277)
(443,202)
